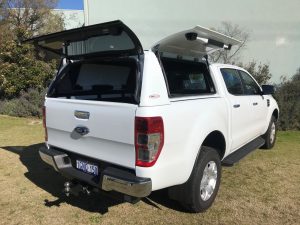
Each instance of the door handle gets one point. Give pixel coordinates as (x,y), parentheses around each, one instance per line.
(255,103)
(236,106)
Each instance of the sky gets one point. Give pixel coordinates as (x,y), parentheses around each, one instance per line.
(274,25)
(70,4)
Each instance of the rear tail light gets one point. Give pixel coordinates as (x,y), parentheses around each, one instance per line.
(149,140)
(44,123)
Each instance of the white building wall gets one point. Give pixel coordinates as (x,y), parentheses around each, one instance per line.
(266,21)
(151,20)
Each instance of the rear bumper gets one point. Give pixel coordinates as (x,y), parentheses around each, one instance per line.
(109,179)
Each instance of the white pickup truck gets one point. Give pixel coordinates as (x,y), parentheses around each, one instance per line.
(123,119)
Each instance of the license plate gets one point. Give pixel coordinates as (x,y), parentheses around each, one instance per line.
(87,167)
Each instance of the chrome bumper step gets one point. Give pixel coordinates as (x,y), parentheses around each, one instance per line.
(109,179)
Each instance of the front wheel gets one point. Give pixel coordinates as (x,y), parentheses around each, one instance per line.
(200,191)
(270,135)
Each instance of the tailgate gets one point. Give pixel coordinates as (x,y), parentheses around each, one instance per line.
(110,127)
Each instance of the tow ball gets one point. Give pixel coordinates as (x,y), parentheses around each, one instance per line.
(75,189)
(67,188)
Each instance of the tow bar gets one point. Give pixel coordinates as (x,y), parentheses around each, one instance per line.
(76,188)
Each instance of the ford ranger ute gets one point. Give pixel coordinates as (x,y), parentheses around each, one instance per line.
(120,118)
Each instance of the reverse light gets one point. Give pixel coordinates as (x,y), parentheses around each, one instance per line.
(149,140)
(44,123)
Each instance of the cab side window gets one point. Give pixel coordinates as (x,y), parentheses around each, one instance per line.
(250,86)
(233,81)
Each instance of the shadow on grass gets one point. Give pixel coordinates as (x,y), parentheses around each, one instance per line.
(49,180)
(161,197)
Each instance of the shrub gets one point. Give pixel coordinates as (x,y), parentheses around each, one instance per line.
(29,104)
(288,98)
(21,70)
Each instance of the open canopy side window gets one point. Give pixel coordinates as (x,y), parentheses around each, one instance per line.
(100,39)
(196,42)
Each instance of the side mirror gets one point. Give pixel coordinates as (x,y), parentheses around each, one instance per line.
(267,89)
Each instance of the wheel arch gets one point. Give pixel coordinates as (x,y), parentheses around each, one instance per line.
(215,140)
(276,114)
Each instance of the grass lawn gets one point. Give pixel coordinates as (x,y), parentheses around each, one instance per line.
(264,188)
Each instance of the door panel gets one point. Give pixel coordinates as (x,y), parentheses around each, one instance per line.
(258,104)
(240,108)
(240,123)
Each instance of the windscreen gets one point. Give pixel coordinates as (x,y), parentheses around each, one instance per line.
(97,81)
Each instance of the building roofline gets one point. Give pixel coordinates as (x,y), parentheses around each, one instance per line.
(72,10)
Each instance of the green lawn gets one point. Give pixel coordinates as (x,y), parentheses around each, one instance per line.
(264,188)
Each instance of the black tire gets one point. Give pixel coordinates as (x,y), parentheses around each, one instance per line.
(189,194)
(268,136)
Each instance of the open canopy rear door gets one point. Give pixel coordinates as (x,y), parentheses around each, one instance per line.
(100,39)
(195,42)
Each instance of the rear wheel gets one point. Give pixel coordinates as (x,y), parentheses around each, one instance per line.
(199,192)
(270,135)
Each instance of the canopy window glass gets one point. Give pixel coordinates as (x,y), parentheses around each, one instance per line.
(101,39)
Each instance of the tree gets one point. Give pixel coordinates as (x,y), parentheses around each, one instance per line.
(21,66)
(288,98)
(260,71)
(30,17)
(231,56)
(20,70)
(5,33)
